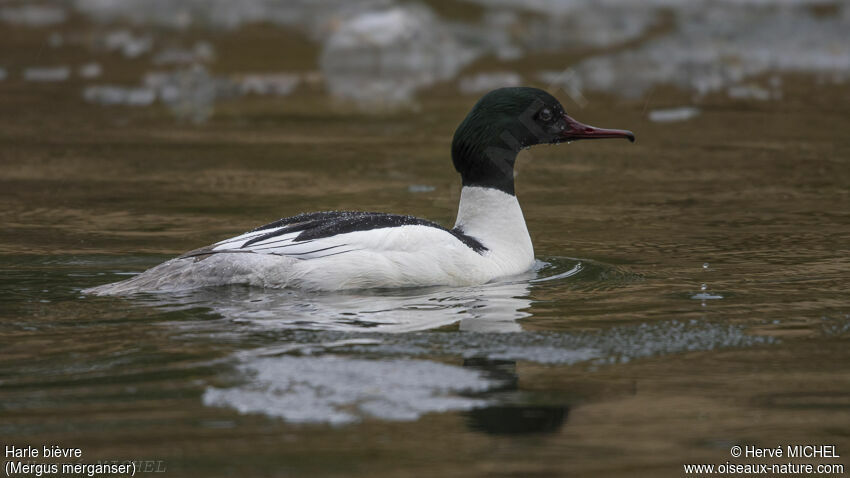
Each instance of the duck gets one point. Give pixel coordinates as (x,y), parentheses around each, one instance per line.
(345,250)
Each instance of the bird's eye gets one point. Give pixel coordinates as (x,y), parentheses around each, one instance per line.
(545,114)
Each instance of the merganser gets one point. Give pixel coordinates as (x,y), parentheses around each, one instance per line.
(337,250)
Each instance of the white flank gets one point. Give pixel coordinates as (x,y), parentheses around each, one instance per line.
(402,256)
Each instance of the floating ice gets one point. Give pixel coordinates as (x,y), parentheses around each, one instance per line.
(47,74)
(202,52)
(714,48)
(191,92)
(378,52)
(673,114)
(312,15)
(749,92)
(568,25)
(279,84)
(420,188)
(483,82)
(55,40)
(124,41)
(119,95)
(339,390)
(90,70)
(33,15)
(381,57)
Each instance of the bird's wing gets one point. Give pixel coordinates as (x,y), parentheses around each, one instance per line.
(321,234)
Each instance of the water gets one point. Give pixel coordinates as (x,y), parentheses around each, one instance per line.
(610,358)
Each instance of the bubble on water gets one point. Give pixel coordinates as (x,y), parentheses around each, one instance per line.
(706,296)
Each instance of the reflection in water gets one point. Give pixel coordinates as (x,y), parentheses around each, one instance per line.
(512,418)
(493,307)
(515,419)
(338,390)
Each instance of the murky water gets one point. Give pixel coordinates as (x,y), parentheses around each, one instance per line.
(690,292)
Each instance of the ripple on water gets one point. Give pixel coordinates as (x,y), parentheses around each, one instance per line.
(492,307)
(326,357)
(318,378)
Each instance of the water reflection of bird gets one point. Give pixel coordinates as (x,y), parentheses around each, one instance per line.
(353,250)
(512,415)
(494,307)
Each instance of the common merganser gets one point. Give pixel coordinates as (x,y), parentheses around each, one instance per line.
(357,250)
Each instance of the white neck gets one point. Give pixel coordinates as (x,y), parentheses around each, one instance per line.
(495,219)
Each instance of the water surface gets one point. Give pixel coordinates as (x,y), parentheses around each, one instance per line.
(690,292)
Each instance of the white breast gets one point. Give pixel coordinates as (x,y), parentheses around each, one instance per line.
(495,219)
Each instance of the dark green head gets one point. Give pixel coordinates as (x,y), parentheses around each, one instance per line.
(506,120)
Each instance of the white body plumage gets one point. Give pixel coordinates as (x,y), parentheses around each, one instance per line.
(388,257)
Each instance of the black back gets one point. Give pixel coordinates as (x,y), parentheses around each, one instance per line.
(318,225)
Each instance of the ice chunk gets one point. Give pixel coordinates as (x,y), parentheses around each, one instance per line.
(420,188)
(55,40)
(124,41)
(190,93)
(381,57)
(748,92)
(90,70)
(483,82)
(712,49)
(33,15)
(47,74)
(119,95)
(202,52)
(280,84)
(313,16)
(673,114)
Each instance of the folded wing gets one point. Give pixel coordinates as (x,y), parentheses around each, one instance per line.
(321,234)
